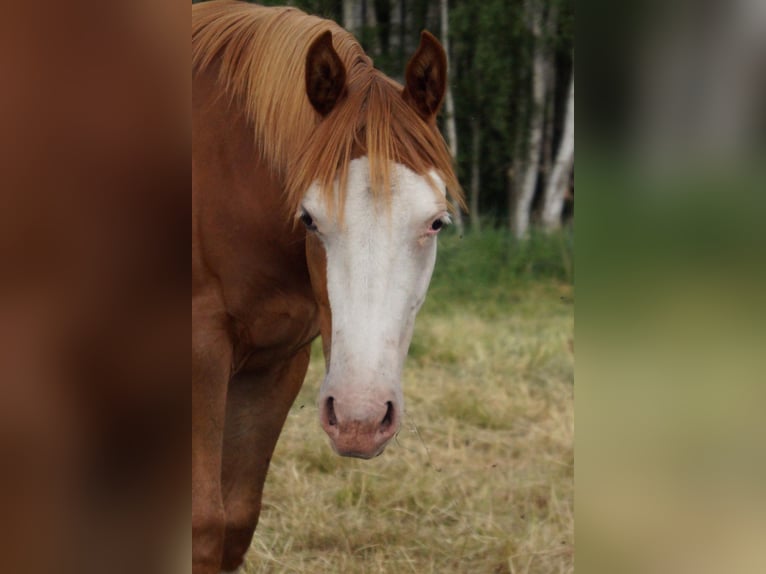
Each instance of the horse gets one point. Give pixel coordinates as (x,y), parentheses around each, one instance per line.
(319,186)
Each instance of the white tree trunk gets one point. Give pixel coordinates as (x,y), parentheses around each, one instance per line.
(546,163)
(558,183)
(550,99)
(524,193)
(349,19)
(449,104)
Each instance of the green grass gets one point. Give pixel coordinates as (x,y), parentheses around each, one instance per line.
(489,266)
(480,477)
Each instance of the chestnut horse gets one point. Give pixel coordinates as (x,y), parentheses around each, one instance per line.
(318,188)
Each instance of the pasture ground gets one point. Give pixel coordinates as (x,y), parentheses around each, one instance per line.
(480,477)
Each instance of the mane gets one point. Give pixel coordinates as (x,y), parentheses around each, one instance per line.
(261,57)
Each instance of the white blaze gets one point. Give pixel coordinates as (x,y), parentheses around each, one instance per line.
(379,265)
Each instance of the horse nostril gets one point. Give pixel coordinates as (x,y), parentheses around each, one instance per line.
(389,418)
(332,420)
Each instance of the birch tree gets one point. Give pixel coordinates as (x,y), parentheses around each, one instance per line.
(349,19)
(556,188)
(449,104)
(549,112)
(523,176)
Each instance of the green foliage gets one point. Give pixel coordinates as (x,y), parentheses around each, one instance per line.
(490,78)
(493,266)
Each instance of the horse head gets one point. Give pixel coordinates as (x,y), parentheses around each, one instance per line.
(371,245)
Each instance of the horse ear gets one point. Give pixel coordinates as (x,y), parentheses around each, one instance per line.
(426,77)
(325,74)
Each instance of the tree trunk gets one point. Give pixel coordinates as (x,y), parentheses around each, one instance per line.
(449,105)
(349,20)
(549,122)
(475,176)
(558,183)
(525,192)
(550,100)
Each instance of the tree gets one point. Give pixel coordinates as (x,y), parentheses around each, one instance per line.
(558,183)
(486,74)
(349,22)
(527,162)
(449,104)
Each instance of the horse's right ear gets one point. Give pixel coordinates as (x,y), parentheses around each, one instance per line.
(325,75)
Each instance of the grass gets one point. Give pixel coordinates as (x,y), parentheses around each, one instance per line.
(480,477)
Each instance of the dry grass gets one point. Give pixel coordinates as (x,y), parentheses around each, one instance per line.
(479,479)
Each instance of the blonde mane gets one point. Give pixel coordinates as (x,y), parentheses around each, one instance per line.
(261,57)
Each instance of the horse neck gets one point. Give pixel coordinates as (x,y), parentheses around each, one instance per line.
(237,194)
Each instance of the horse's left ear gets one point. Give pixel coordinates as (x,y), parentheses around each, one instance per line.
(426,77)
(325,74)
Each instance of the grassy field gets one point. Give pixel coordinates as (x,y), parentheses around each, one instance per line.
(480,477)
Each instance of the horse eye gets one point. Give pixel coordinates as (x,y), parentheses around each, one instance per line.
(437,225)
(308,221)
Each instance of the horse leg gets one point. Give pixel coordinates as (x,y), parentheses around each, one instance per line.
(211,368)
(258,404)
